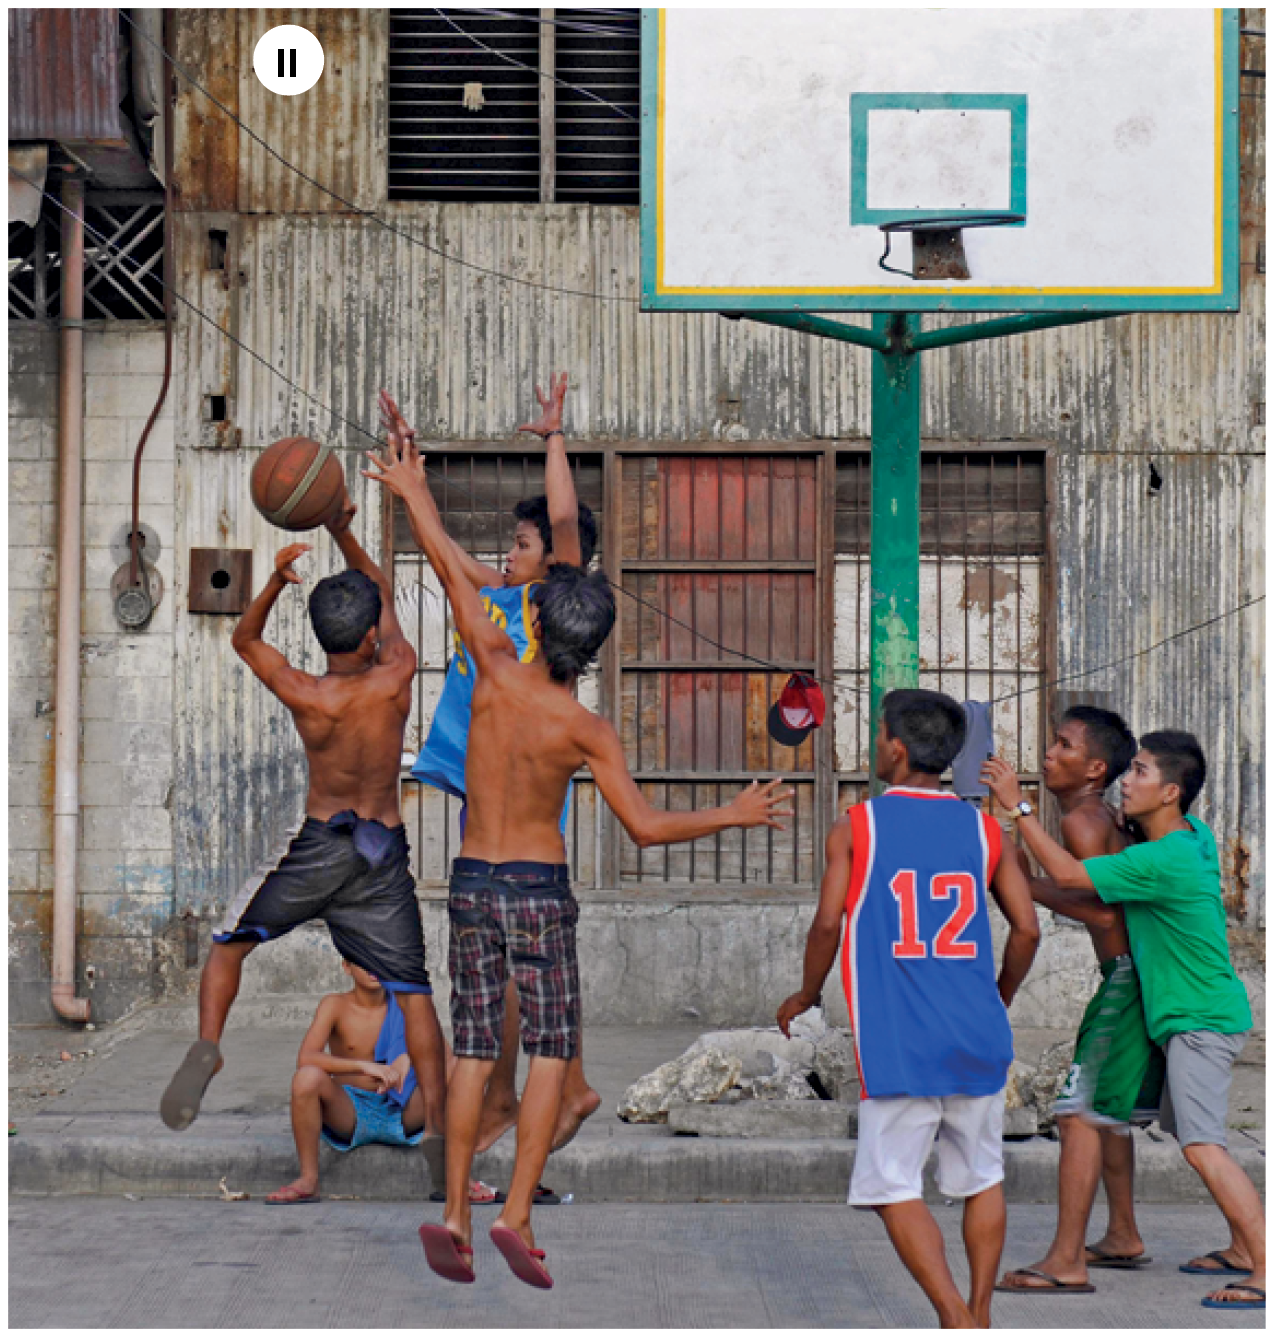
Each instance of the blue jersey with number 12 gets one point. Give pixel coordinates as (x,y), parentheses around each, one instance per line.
(920,976)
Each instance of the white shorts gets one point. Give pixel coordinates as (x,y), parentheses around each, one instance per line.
(896,1136)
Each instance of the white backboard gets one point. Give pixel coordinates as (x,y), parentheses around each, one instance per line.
(776,142)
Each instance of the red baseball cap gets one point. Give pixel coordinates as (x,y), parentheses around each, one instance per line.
(799,709)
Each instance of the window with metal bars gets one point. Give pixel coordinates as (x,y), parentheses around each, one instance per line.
(520,106)
(123,260)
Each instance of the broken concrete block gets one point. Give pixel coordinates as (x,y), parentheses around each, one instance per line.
(788,1119)
(695,1076)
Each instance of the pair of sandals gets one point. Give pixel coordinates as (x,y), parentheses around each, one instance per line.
(454,1261)
(1099,1257)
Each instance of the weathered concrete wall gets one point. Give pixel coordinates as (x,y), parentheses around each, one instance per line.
(126,850)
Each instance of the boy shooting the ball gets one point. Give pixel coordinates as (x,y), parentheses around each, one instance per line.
(348,865)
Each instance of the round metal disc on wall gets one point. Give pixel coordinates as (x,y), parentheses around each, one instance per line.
(150,550)
(135,604)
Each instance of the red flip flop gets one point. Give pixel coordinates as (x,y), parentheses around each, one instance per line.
(449,1259)
(525,1263)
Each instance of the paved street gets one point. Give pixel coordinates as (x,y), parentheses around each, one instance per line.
(112,1263)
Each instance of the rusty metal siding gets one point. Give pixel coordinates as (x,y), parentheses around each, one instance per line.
(206,140)
(64,75)
(337,132)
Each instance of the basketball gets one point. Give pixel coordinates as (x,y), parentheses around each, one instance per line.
(298,484)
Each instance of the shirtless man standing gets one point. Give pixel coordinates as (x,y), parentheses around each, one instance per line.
(1114,1059)
(348,865)
(510,905)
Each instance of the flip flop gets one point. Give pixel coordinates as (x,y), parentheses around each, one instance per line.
(447,1258)
(1054,1286)
(524,1263)
(480,1194)
(545,1197)
(1128,1261)
(1209,1303)
(1226,1267)
(295,1201)
(180,1104)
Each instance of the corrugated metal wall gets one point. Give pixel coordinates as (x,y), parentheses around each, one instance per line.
(344,306)
(64,75)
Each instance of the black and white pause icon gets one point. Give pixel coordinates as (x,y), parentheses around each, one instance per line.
(288,59)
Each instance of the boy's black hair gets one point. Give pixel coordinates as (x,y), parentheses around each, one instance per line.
(1180,761)
(1109,738)
(930,725)
(343,609)
(577,612)
(536,510)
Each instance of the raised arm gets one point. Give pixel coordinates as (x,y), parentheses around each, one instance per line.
(1013,895)
(559,486)
(289,684)
(480,575)
(758,805)
(394,648)
(402,471)
(1084,837)
(823,941)
(1064,869)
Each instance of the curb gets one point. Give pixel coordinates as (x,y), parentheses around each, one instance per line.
(106,1160)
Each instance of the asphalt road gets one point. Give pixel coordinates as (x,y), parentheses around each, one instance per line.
(191,1263)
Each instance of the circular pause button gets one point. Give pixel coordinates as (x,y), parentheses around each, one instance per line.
(288,59)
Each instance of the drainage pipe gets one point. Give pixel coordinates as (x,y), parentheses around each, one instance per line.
(66,756)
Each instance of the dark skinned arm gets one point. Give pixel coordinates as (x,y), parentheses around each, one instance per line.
(394,647)
(824,937)
(402,471)
(1013,895)
(758,805)
(290,685)
(1085,838)
(314,1053)
(559,486)
(1064,869)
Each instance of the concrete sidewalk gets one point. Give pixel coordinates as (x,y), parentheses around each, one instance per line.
(90,1125)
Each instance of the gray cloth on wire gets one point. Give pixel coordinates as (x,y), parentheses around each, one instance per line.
(979,744)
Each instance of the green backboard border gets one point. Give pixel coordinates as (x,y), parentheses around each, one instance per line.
(944,297)
(861,105)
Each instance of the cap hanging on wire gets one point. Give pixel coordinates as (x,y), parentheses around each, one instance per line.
(801,708)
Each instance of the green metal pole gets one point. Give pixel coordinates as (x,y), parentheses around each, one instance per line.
(1002,327)
(895,513)
(828,329)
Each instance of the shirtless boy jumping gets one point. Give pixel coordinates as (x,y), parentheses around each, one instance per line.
(511,905)
(348,865)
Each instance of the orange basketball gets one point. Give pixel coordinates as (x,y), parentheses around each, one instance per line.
(298,484)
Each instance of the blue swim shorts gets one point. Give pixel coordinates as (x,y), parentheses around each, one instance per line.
(377,1119)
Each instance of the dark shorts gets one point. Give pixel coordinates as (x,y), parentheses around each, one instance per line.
(518,916)
(371,912)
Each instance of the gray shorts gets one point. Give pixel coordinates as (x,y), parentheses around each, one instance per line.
(1196,1095)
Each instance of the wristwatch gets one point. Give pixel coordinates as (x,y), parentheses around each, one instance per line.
(1021,810)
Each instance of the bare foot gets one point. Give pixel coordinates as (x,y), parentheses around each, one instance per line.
(1118,1246)
(299,1190)
(496,1121)
(1210,1263)
(523,1229)
(572,1116)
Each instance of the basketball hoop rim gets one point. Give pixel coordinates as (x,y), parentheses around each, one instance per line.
(953,222)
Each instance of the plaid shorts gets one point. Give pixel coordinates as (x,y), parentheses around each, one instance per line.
(519,915)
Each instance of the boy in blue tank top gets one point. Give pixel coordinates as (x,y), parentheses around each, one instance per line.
(904,896)
(555,527)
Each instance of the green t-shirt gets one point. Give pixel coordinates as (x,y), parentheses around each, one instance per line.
(1171,893)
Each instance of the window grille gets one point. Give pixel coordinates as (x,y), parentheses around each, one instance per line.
(489,107)
(123,274)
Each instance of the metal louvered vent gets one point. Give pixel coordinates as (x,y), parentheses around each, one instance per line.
(490,105)
(441,149)
(598,149)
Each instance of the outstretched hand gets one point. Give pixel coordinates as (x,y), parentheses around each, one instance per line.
(550,420)
(400,468)
(1000,778)
(344,516)
(758,805)
(283,562)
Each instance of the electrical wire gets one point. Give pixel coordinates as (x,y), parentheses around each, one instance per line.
(532,69)
(354,208)
(571,25)
(766,664)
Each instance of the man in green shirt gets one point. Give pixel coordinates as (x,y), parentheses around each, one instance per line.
(1196,1007)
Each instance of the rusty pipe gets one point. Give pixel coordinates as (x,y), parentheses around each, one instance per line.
(135,539)
(66,750)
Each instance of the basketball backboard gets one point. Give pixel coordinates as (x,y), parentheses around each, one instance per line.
(776,143)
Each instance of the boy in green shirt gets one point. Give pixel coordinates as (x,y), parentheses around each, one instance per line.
(1196,1006)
